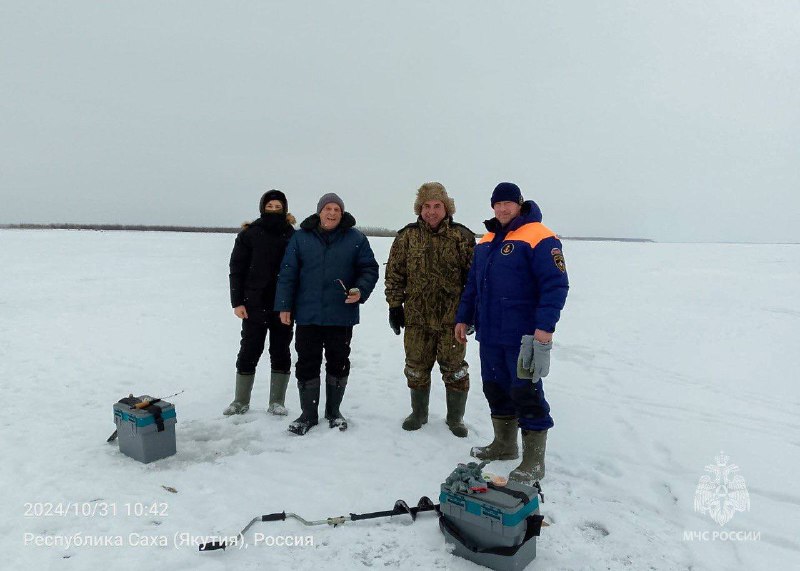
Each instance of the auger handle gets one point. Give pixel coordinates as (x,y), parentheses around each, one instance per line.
(274,517)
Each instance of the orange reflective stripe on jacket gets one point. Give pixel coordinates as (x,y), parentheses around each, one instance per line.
(532,233)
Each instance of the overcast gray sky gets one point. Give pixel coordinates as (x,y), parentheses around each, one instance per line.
(671,120)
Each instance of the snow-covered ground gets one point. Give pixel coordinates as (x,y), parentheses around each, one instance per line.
(666,354)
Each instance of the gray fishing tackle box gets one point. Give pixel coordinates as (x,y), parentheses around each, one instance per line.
(496,529)
(145,434)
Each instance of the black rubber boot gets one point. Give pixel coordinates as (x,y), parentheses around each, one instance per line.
(504,445)
(419,409)
(334,393)
(309,402)
(456,404)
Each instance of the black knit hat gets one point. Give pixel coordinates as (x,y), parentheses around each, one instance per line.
(273,195)
(507,192)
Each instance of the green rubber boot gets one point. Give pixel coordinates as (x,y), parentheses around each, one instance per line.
(456,404)
(531,469)
(419,409)
(277,393)
(241,400)
(504,445)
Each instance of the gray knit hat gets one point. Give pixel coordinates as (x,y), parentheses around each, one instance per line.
(327,199)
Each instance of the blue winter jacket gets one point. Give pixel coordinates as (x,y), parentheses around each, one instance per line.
(314,261)
(517,282)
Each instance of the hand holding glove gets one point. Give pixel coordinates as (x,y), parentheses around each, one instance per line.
(534,358)
(397,319)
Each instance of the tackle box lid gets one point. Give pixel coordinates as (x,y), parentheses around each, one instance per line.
(126,413)
(507,501)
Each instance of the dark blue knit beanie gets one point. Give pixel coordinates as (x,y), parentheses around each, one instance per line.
(506,191)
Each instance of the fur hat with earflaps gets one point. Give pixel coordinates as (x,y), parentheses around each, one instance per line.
(433,191)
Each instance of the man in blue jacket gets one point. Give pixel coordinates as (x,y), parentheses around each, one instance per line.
(327,271)
(515,291)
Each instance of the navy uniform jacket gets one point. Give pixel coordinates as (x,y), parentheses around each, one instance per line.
(517,282)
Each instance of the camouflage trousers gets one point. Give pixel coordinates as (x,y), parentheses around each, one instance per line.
(425,346)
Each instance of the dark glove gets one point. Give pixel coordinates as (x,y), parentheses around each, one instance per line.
(397,319)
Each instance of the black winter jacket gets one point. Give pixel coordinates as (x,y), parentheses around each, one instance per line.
(256,260)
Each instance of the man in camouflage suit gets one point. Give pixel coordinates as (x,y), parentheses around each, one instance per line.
(425,275)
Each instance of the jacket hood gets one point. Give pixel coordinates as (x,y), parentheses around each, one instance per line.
(312,222)
(290,220)
(272,195)
(530,213)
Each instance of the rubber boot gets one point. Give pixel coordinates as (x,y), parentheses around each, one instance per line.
(531,469)
(241,399)
(504,445)
(456,403)
(419,409)
(309,402)
(334,393)
(277,393)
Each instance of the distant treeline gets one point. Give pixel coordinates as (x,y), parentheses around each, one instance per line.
(129,227)
(597,239)
(368,230)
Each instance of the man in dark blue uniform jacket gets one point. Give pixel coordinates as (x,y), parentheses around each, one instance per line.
(515,292)
(327,272)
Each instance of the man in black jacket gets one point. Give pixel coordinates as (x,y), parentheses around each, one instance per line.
(254,266)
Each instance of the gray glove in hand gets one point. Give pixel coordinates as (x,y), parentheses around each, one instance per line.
(534,359)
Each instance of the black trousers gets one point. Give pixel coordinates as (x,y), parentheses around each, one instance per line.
(312,340)
(254,334)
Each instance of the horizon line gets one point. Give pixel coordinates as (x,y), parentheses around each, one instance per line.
(377,231)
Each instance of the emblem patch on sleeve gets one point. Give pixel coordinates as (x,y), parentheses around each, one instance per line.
(558,259)
(507,249)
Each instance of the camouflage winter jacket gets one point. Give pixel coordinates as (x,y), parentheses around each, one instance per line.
(427,271)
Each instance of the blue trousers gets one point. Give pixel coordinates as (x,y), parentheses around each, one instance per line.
(508,394)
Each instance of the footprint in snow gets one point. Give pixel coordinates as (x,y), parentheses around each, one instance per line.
(593,530)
